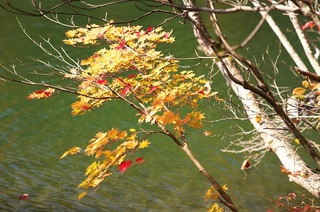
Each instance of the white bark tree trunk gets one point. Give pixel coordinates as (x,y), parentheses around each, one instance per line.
(274,139)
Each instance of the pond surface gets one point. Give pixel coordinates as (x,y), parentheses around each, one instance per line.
(34,134)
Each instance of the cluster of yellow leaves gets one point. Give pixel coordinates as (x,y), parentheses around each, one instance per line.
(101,148)
(214,195)
(216,208)
(299,92)
(129,68)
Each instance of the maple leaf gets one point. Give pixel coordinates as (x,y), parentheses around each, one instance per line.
(201,92)
(207,133)
(168,117)
(71,33)
(81,195)
(72,151)
(196,119)
(121,45)
(130,144)
(102,82)
(153,88)
(38,94)
(124,165)
(209,193)
(298,91)
(113,133)
(125,91)
(224,187)
(309,24)
(216,208)
(149,29)
(144,144)
(79,107)
(101,135)
(24,196)
(246,165)
(139,160)
(132,76)
(258,119)
(166,35)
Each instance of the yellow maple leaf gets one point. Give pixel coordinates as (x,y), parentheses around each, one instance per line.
(224,187)
(216,208)
(81,195)
(196,121)
(168,117)
(72,151)
(209,193)
(79,108)
(113,133)
(144,144)
(130,144)
(101,135)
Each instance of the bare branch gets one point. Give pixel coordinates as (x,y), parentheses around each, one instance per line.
(302,38)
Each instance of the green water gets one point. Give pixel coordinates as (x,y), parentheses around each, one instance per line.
(34,134)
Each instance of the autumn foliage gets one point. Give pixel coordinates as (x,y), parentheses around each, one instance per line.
(130,69)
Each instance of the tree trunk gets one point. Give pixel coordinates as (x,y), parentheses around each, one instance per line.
(273,138)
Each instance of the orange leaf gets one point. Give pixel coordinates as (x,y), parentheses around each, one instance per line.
(305,83)
(168,117)
(258,119)
(207,133)
(298,91)
(79,108)
(112,134)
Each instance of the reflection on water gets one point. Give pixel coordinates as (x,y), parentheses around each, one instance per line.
(34,134)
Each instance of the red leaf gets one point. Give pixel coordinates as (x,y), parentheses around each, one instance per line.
(39,91)
(47,93)
(201,92)
(124,165)
(125,91)
(149,29)
(139,160)
(131,76)
(307,208)
(167,35)
(121,45)
(246,165)
(309,24)
(24,196)
(153,88)
(102,81)
(85,107)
